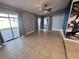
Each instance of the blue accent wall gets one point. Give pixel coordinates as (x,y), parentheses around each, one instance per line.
(67,11)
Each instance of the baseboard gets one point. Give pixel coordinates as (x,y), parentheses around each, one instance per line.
(29,32)
(57,29)
(63,35)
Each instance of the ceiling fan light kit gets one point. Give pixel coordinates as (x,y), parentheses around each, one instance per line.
(45,11)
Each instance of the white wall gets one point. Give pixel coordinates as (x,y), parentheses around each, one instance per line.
(28,22)
(57,20)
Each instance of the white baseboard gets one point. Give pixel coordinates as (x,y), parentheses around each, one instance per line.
(29,32)
(63,35)
(58,30)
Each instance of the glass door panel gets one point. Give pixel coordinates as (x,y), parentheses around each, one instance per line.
(9,26)
(14,25)
(5,28)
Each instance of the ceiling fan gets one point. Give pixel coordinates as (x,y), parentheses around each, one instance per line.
(46,9)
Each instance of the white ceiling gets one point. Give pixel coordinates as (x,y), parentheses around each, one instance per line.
(33,5)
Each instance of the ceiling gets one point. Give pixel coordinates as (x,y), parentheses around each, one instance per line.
(33,5)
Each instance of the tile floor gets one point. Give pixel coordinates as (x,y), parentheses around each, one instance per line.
(72,47)
(42,45)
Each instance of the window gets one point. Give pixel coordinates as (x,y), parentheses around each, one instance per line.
(3,15)
(4,23)
(13,15)
(8,20)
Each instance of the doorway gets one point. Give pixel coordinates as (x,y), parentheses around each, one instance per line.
(39,24)
(43,23)
(9,26)
(46,23)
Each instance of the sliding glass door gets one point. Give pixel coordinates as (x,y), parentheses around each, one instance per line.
(5,27)
(14,24)
(9,26)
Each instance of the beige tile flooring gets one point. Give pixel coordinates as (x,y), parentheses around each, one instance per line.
(72,47)
(42,45)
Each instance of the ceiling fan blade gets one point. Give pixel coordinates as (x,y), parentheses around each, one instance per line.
(50,9)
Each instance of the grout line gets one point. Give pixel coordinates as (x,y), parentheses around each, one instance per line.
(64,45)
